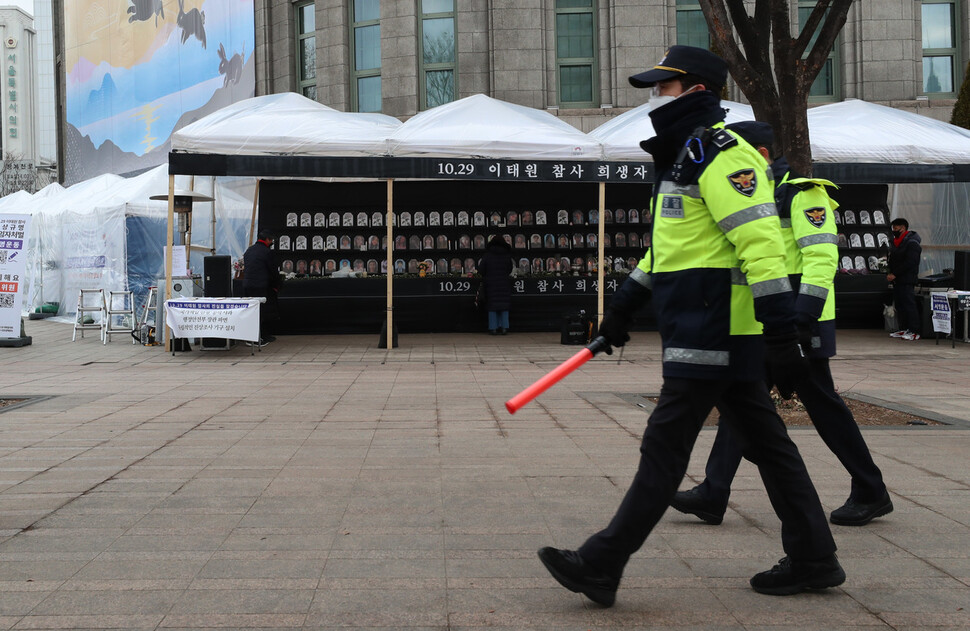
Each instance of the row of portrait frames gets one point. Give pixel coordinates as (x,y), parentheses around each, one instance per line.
(864,240)
(518,241)
(363,219)
(537,265)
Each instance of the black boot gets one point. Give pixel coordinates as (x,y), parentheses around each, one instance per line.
(854,513)
(693,502)
(567,567)
(791,577)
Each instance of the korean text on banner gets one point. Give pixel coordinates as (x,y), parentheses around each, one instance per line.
(227,318)
(13,264)
(941,312)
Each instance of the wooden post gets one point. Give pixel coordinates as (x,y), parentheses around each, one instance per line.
(252,221)
(212,250)
(390,264)
(601,268)
(167,294)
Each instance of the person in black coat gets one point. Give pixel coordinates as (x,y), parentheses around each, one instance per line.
(261,278)
(904,258)
(495,268)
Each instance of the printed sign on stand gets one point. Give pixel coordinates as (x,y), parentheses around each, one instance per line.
(941,312)
(227,318)
(13,264)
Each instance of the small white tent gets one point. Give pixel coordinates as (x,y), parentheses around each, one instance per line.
(622,134)
(860,132)
(286,124)
(105,233)
(482,127)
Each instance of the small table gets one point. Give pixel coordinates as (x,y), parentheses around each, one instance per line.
(226,318)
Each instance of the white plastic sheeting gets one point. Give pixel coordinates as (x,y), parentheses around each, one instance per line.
(105,233)
(286,124)
(857,131)
(622,134)
(939,213)
(482,127)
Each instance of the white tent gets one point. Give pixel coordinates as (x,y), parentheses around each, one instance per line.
(622,134)
(482,127)
(861,132)
(286,124)
(104,233)
(851,131)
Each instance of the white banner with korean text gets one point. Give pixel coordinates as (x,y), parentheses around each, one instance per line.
(941,312)
(228,318)
(13,265)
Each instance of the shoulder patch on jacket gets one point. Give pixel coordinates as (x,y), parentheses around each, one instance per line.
(723,139)
(815,216)
(744,181)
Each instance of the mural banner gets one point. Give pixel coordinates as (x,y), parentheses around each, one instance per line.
(137,70)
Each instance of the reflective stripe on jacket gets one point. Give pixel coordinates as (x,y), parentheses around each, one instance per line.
(717,265)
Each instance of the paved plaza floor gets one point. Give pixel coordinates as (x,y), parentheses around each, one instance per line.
(325,483)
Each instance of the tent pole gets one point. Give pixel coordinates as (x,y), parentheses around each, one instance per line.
(601,247)
(212,229)
(168,258)
(389,221)
(252,221)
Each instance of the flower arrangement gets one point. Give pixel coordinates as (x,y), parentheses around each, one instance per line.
(423,268)
(237,267)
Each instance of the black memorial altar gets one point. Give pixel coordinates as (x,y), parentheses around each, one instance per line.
(440,232)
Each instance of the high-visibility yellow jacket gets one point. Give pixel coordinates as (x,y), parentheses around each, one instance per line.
(716,264)
(812,255)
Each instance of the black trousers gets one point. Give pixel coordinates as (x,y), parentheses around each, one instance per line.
(665,452)
(904,297)
(268,311)
(832,420)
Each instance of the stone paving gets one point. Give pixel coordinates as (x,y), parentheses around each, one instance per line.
(324,483)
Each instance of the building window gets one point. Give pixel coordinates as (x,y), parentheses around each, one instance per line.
(365,37)
(306,50)
(826,85)
(576,52)
(691,25)
(437,60)
(940,48)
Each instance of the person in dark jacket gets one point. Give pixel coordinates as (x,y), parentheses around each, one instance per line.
(904,258)
(261,278)
(495,268)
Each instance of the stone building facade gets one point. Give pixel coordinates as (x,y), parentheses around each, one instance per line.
(573,57)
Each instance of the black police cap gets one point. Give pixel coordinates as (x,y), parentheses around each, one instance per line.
(681,60)
(756,133)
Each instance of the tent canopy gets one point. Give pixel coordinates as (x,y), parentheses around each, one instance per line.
(860,132)
(286,124)
(622,134)
(482,127)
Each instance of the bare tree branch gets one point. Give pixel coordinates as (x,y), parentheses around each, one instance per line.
(809,27)
(826,38)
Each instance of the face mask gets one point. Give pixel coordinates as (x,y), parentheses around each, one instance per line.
(656,100)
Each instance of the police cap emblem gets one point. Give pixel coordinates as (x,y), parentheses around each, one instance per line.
(744,181)
(815,216)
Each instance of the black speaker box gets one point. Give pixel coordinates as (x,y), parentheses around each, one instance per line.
(218,276)
(961,270)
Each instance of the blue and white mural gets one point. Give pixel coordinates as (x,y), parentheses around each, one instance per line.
(137,70)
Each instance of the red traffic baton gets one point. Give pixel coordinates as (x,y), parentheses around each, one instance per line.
(557,374)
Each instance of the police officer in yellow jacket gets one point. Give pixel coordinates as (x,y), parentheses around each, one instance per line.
(812,257)
(716,270)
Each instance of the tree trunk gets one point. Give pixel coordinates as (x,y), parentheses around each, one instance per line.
(776,83)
